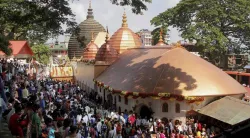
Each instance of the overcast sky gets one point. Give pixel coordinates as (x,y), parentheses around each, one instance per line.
(111,15)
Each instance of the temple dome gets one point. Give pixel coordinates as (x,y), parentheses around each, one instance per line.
(106,53)
(89,53)
(124,38)
(86,27)
(153,70)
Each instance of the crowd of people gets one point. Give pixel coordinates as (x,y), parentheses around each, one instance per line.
(60,109)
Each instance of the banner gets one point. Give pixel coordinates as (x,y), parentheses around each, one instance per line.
(42,73)
(61,72)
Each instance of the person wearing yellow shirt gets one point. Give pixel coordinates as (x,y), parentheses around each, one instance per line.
(25,93)
(198,134)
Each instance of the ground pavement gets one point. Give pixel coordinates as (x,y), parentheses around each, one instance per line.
(4,130)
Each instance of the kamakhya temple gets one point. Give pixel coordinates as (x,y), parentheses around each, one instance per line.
(162,80)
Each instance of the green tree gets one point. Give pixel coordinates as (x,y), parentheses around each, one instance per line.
(217,26)
(138,6)
(42,53)
(37,20)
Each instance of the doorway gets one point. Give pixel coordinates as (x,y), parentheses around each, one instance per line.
(145,112)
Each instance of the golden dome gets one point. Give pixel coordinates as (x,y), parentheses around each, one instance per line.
(106,52)
(159,70)
(91,49)
(124,38)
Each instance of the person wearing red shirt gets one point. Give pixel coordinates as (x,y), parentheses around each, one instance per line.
(132,119)
(14,125)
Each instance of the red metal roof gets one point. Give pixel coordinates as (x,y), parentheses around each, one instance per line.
(19,48)
(237,73)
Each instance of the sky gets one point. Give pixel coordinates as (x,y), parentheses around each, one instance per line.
(111,15)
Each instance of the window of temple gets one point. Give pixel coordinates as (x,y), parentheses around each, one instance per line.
(126,100)
(119,98)
(119,110)
(164,107)
(177,108)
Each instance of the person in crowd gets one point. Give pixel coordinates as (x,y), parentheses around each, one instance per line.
(73,132)
(62,109)
(36,122)
(14,125)
(112,133)
(25,92)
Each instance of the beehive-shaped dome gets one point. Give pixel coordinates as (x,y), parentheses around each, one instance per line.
(124,38)
(86,27)
(90,51)
(106,52)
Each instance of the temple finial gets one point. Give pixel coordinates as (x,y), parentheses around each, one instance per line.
(107,35)
(178,45)
(90,11)
(89,4)
(160,39)
(124,19)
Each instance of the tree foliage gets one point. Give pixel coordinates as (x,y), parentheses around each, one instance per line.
(138,6)
(38,20)
(35,21)
(217,26)
(42,53)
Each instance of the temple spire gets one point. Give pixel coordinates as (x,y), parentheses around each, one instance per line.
(90,11)
(90,4)
(160,39)
(160,42)
(107,35)
(124,20)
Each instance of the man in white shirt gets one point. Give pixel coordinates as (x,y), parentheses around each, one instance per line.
(112,133)
(85,119)
(87,109)
(138,122)
(99,126)
(144,121)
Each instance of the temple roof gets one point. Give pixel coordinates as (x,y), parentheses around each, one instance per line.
(86,27)
(164,70)
(124,38)
(106,52)
(89,53)
(228,110)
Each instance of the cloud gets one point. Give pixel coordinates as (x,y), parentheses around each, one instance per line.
(111,15)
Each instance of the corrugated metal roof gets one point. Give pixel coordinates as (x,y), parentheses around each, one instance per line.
(19,48)
(228,109)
